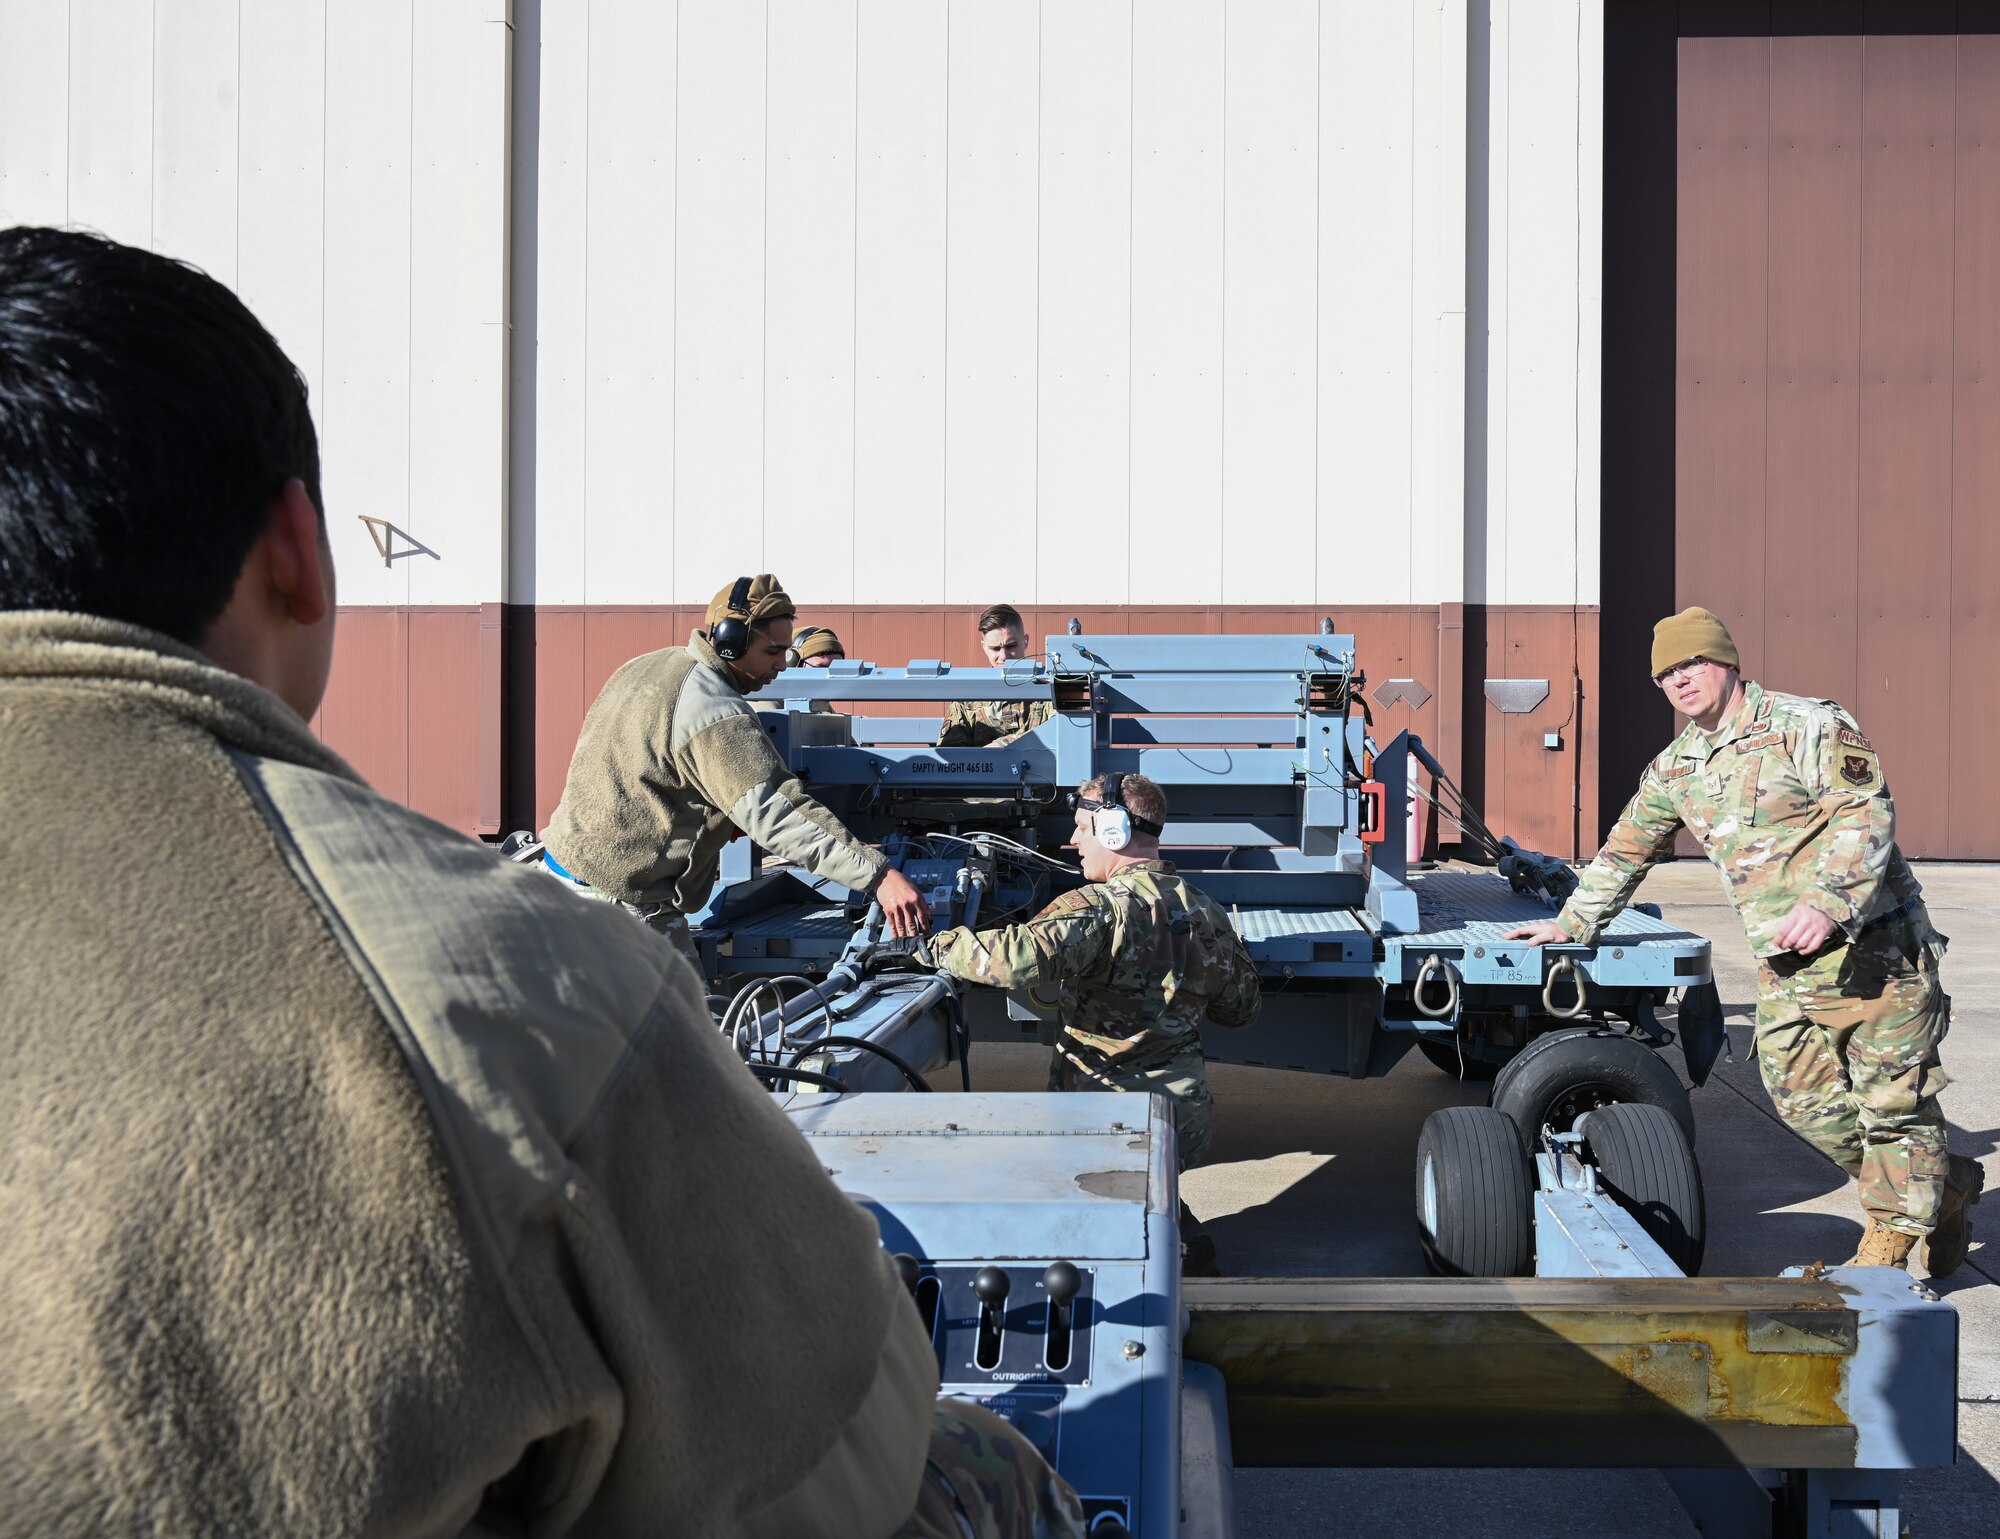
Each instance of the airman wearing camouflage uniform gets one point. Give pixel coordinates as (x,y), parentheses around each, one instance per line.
(984,1481)
(1003,637)
(1787,797)
(1133,963)
(991,723)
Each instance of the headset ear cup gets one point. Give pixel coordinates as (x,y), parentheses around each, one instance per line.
(1112,826)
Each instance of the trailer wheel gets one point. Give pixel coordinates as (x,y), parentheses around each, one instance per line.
(1559,1077)
(1475,1212)
(1643,1161)
(1443,1054)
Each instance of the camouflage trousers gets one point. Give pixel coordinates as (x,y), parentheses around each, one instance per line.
(1847,1042)
(1182,1079)
(984,1480)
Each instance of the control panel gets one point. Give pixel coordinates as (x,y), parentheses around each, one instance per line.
(1039,1238)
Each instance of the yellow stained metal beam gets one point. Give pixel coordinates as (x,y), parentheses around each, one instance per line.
(1454,1372)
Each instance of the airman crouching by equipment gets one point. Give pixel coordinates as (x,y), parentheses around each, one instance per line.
(1137,960)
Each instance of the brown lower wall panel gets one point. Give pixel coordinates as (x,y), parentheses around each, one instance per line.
(415,705)
(1836,427)
(470,714)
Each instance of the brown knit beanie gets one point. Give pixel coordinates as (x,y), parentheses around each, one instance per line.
(767,601)
(1694,632)
(817,641)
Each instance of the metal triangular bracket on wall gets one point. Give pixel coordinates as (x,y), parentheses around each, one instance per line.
(385,535)
(1515,696)
(1401,692)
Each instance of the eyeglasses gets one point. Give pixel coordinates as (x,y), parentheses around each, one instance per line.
(1687,666)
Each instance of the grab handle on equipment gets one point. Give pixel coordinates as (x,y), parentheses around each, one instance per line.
(1564,966)
(1373,824)
(1435,966)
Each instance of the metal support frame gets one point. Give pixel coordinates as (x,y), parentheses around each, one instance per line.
(1852,1372)
(1263,763)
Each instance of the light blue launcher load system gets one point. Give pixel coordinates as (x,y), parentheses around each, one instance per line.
(1037,1232)
(1280,809)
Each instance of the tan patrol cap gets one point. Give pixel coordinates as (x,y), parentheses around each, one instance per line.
(1694,632)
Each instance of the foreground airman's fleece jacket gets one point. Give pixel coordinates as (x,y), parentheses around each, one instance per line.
(358,1182)
(671,762)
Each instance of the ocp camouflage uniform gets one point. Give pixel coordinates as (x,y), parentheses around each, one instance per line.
(991,723)
(1788,799)
(1134,965)
(982,1481)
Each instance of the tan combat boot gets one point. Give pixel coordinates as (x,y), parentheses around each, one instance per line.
(1882,1246)
(1946,1247)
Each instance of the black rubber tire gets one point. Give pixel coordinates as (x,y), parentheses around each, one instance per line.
(1644,1162)
(1443,1054)
(1556,1078)
(1475,1202)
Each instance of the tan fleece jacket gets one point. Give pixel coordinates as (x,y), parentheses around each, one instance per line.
(358,1182)
(671,762)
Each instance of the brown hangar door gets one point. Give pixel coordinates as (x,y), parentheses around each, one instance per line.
(1836,388)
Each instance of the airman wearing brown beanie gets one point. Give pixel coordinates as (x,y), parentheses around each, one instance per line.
(1787,796)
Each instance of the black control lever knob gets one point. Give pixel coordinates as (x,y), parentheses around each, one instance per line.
(1062,1282)
(907,1269)
(991,1286)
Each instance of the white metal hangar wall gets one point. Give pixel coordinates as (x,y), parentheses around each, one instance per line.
(1178,314)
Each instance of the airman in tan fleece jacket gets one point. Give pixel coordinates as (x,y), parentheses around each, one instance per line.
(355,1181)
(671,762)
(359,1182)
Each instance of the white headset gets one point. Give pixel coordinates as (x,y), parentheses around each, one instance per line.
(1111,821)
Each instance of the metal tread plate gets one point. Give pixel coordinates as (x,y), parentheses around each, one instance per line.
(797,921)
(1468,905)
(1262,924)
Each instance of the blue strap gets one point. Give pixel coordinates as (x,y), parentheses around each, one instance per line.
(549,860)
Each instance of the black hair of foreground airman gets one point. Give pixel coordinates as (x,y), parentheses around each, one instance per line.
(147,423)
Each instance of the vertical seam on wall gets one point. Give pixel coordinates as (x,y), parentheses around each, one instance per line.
(152,123)
(1319,99)
(69,103)
(1222,351)
(410,377)
(1951,471)
(325,76)
(1576,362)
(854,342)
(583,538)
(238,231)
(1035,584)
(674,330)
(1860,342)
(1576,486)
(1410,480)
(944,379)
(1506,384)
(764,337)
